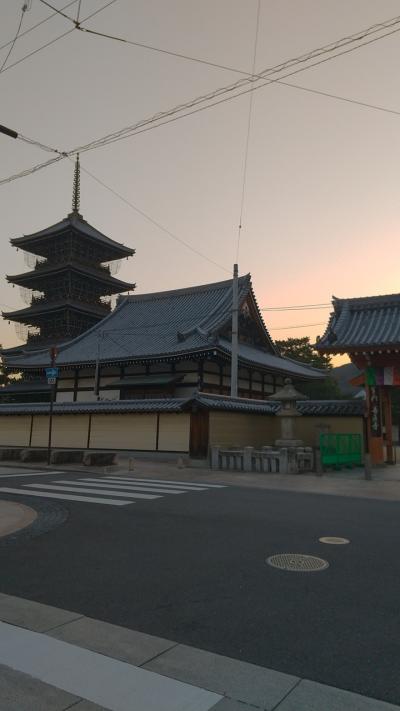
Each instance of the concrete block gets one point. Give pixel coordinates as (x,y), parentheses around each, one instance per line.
(10,454)
(33,615)
(34,455)
(113,641)
(99,459)
(21,692)
(315,697)
(66,456)
(238,680)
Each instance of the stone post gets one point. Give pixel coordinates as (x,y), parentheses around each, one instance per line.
(248,459)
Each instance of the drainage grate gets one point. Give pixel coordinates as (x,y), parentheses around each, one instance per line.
(334,540)
(297,562)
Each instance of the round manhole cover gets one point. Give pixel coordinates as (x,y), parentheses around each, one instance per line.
(334,540)
(297,562)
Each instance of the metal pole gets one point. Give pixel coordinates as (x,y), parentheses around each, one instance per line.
(97,370)
(235,314)
(53,353)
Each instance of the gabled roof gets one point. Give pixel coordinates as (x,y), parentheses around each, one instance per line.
(76,222)
(365,323)
(165,324)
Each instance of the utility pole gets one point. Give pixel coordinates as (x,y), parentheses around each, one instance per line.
(52,374)
(235,320)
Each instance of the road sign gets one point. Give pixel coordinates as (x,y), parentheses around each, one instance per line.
(51,381)
(51,373)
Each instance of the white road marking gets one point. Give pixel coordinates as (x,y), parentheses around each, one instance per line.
(168,482)
(65,497)
(112,684)
(114,485)
(15,476)
(93,490)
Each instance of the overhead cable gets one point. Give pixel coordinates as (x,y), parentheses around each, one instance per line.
(64,34)
(170,116)
(153,222)
(303,325)
(23,10)
(30,29)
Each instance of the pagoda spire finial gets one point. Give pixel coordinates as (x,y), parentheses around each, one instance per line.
(76,190)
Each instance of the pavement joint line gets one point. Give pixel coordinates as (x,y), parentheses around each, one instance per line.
(166,651)
(286,695)
(64,624)
(74,703)
(156,656)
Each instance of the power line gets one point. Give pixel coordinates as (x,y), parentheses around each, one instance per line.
(23,10)
(68,32)
(156,120)
(304,307)
(304,325)
(58,12)
(30,29)
(225,67)
(152,221)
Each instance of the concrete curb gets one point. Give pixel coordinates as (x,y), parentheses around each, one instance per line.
(236,685)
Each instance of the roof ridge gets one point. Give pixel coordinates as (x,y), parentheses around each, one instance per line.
(151,295)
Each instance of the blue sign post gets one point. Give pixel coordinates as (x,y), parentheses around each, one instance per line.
(52,373)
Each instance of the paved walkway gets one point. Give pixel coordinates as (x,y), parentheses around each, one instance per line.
(54,660)
(14,516)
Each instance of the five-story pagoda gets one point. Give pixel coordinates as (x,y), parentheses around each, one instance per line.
(71,284)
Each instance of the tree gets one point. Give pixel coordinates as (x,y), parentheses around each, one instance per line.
(3,376)
(301,349)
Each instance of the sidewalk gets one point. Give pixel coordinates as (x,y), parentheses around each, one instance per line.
(14,517)
(57,660)
(385,483)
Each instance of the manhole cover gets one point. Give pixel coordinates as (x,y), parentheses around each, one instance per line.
(334,540)
(297,562)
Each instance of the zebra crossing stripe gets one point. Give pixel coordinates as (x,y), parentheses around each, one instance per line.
(66,497)
(102,492)
(99,483)
(169,482)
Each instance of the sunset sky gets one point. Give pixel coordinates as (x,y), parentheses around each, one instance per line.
(322,201)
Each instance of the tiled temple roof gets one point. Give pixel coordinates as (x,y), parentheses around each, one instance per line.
(322,408)
(167,324)
(364,323)
(76,222)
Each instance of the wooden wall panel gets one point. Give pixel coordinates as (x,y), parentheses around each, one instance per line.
(14,431)
(232,429)
(174,432)
(40,431)
(123,432)
(70,431)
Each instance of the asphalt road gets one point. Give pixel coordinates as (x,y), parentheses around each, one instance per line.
(192,568)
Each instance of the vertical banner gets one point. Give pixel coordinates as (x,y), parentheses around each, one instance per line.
(375,411)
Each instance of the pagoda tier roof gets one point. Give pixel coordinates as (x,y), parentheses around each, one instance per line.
(42,273)
(184,323)
(75,222)
(362,324)
(32,314)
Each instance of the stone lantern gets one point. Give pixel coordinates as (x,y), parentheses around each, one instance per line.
(288,397)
